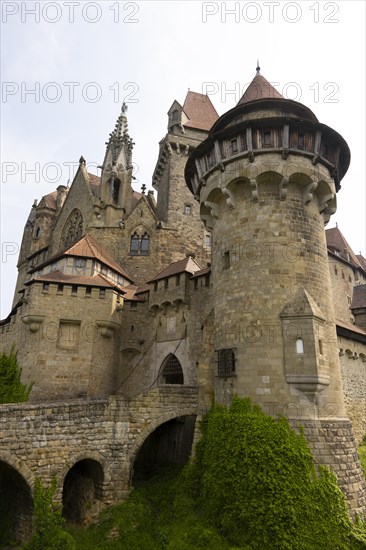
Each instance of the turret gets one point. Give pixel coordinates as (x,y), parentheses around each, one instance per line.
(266,179)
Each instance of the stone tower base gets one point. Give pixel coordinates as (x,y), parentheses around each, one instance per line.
(333,444)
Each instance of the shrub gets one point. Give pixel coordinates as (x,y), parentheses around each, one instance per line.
(49,523)
(11,388)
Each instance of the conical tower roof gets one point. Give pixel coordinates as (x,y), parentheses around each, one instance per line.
(259,88)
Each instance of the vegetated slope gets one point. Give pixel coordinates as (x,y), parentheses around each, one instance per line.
(253,485)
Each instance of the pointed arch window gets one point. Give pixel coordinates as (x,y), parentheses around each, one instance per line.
(134,246)
(172,372)
(115,185)
(140,246)
(145,245)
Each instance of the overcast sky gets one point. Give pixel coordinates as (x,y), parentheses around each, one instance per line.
(82,59)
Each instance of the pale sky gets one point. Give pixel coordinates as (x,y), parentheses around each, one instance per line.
(82,59)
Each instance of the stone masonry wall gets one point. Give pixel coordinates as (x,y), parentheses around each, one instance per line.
(46,440)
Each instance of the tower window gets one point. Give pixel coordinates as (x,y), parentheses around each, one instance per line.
(37,233)
(187,209)
(175,116)
(299,346)
(227,259)
(177,280)
(225,363)
(208,240)
(234,146)
(321,347)
(300,141)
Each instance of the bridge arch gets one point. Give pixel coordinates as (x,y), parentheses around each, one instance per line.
(16,501)
(84,481)
(167,439)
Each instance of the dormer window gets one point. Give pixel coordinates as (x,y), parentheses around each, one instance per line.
(175,116)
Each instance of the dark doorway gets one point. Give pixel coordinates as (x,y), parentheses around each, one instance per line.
(16,506)
(170,443)
(82,489)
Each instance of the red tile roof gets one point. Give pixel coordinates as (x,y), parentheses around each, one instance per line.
(259,88)
(350,326)
(359,297)
(201,272)
(87,247)
(200,111)
(60,277)
(337,242)
(187,265)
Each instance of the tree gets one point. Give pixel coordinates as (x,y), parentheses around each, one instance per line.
(11,388)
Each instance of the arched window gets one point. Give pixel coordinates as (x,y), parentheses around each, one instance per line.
(172,372)
(145,245)
(299,346)
(140,246)
(73,229)
(115,185)
(134,246)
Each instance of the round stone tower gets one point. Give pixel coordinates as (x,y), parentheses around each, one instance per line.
(266,179)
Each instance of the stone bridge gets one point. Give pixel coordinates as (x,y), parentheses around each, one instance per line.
(90,446)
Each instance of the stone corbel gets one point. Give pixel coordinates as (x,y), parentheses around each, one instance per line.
(309,191)
(106,328)
(283,188)
(229,196)
(207,220)
(325,201)
(33,321)
(213,207)
(254,188)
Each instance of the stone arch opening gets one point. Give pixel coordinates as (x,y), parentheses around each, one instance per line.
(171,371)
(16,506)
(169,444)
(82,491)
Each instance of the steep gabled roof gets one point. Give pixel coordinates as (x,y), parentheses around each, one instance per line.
(200,111)
(259,88)
(359,297)
(337,242)
(87,247)
(187,265)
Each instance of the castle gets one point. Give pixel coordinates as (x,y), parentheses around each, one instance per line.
(226,283)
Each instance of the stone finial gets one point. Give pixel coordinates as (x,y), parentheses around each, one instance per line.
(82,160)
(143,188)
(258,69)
